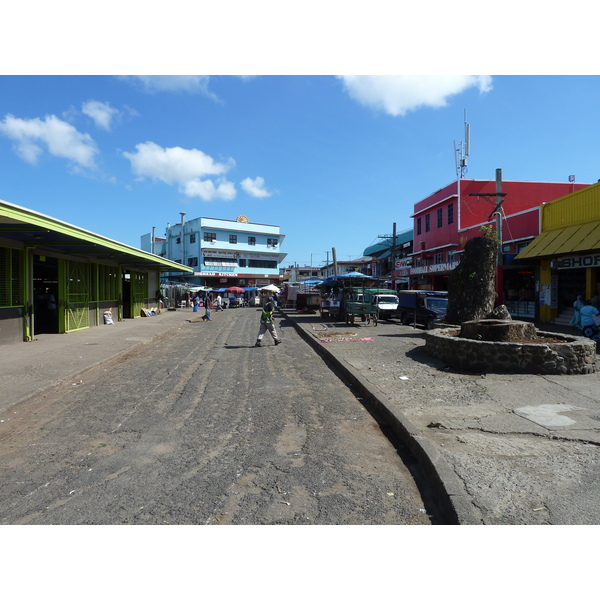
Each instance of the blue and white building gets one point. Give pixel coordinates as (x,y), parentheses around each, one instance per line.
(222,253)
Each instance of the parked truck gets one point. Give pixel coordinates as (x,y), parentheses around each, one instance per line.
(427,308)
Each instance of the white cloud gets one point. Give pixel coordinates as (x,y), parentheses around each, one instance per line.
(255,187)
(58,137)
(206,190)
(398,94)
(101,112)
(186,168)
(193,84)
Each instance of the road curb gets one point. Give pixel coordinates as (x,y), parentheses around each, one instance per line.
(454,501)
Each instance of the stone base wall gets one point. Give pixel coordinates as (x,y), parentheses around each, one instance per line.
(572,356)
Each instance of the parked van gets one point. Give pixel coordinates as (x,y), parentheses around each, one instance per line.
(422,307)
(386,303)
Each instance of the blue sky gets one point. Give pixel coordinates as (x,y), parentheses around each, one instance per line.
(334,162)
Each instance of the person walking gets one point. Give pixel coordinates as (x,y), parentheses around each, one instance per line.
(219,303)
(266,323)
(206,316)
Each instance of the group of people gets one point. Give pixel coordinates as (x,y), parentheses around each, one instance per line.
(587,317)
(266,317)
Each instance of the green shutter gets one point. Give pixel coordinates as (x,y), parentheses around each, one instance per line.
(77,296)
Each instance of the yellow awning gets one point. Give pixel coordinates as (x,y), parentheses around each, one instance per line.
(567,240)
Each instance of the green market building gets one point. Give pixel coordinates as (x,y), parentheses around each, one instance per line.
(58,278)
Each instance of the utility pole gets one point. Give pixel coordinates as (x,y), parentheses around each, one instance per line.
(498,212)
(335,269)
(182,240)
(393,248)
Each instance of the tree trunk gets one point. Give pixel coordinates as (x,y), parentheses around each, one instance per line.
(472,284)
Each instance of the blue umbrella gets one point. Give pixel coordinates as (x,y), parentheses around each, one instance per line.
(311,282)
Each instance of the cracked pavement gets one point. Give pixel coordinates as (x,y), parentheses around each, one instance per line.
(519,449)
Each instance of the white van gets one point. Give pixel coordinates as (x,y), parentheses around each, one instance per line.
(387,305)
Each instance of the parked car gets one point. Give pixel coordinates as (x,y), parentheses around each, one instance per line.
(427,308)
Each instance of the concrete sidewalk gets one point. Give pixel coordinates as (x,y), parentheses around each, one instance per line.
(28,368)
(502,448)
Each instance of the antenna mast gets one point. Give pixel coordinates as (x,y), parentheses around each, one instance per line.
(462,152)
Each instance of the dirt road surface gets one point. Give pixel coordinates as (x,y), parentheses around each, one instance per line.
(203,428)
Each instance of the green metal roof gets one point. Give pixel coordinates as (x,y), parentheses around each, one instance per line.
(386,243)
(45,233)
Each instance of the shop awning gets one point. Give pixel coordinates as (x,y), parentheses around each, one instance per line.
(46,234)
(566,240)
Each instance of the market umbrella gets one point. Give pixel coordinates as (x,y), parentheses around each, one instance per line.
(234,290)
(311,282)
(269,288)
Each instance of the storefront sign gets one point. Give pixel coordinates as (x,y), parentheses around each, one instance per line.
(577,262)
(439,268)
(215,254)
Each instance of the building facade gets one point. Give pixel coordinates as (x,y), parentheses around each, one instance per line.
(222,253)
(340,267)
(567,251)
(448,218)
(58,278)
(391,258)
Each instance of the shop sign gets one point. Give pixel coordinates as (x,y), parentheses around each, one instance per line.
(216,254)
(439,268)
(576,262)
(209,273)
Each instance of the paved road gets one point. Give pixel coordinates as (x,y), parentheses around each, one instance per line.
(200,427)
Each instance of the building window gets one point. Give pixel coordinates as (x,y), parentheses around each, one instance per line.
(251,241)
(438,258)
(417,261)
(193,261)
(272,242)
(242,262)
(452,256)
(419,226)
(210,237)
(427,224)
(440,218)
(233,239)
(192,238)
(178,240)
(108,283)
(450,214)
(218,261)
(262,264)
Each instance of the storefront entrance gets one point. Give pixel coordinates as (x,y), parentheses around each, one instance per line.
(571,283)
(45,293)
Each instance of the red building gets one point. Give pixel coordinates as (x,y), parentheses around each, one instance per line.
(448,218)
